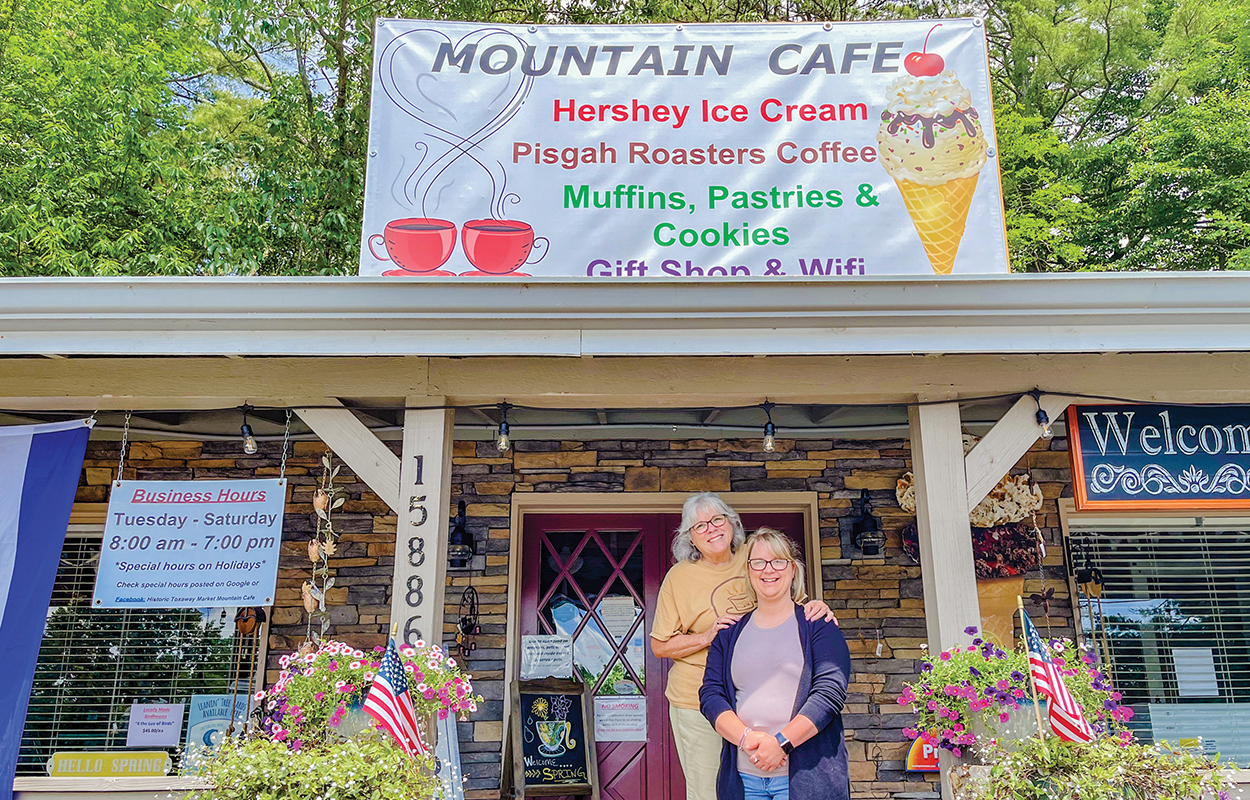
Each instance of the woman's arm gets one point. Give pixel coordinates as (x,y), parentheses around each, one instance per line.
(714,699)
(831,672)
(683,644)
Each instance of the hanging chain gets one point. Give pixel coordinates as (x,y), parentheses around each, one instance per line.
(1041,565)
(286,437)
(121,458)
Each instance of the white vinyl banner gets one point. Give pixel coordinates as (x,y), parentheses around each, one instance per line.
(191,544)
(681,151)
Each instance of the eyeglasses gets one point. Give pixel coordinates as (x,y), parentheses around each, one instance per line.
(702,527)
(759,564)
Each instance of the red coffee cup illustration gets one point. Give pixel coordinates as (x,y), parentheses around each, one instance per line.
(417,245)
(500,246)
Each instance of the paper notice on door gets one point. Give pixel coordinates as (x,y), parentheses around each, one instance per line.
(618,614)
(621,719)
(546,657)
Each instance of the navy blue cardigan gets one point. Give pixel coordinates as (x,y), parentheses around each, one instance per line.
(818,767)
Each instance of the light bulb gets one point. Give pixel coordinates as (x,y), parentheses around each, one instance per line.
(770,437)
(1043,420)
(501,441)
(249,440)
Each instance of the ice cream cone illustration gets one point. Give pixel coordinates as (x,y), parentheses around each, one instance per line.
(933,146)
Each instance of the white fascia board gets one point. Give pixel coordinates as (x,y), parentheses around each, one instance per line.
(1094,312)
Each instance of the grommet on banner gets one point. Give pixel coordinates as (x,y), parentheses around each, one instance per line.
(828,26)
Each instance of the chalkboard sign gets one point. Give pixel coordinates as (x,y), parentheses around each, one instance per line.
(553,752)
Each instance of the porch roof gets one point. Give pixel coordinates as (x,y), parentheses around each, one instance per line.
(354,316)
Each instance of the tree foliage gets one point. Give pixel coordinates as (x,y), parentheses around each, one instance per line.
(230,136)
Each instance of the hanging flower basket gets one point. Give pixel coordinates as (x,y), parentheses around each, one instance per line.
(313,741)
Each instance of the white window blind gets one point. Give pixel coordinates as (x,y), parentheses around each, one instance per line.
(94,663)
(1175,616)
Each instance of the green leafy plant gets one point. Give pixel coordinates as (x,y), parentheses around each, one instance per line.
(367,767)
(1105,769)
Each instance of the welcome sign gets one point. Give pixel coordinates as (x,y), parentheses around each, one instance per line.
(681,151)
(1152,457)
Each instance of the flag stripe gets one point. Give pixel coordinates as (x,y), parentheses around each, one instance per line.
(1067,719)
(390,703)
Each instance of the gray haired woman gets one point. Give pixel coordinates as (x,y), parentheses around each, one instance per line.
(704,593)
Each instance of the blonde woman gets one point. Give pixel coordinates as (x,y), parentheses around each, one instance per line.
(774,688)
(704,593)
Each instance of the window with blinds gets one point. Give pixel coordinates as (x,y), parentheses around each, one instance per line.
(1174,619)
(95,663)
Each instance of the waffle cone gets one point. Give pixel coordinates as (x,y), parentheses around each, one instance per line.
(940,214)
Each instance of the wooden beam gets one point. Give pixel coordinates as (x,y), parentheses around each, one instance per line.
(182,384)
(949,578)
(421,533)
(353,442)
(1009,439)
(946,566)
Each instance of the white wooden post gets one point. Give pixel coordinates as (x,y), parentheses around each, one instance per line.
(947,571)
(421,535)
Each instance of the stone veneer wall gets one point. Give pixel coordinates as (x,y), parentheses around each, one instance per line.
(879,597)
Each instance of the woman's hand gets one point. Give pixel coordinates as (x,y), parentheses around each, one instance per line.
(816,609)
(722,622)
(765,750)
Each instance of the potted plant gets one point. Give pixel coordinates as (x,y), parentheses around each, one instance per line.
(312,741)
(975,701)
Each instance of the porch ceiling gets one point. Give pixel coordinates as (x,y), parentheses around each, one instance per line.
(1087,313)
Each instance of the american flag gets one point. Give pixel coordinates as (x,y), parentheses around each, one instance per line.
(1066,718)
(390,703)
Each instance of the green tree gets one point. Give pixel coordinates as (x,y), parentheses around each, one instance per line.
(95,176)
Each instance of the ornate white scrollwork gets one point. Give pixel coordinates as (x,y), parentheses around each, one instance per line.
(1154,479)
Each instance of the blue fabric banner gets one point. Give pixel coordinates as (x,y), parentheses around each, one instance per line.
(39,469)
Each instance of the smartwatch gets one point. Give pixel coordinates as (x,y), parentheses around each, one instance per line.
(786,746)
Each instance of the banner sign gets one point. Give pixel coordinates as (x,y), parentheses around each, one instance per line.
(191,544)
(1152,457)
(675,152)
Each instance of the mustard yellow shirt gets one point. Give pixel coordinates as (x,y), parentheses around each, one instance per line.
(694,594)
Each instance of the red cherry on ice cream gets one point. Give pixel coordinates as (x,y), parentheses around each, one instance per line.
(924,64)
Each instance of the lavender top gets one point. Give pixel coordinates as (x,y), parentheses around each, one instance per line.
(766,668)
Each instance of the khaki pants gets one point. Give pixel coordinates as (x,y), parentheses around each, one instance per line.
(699,749)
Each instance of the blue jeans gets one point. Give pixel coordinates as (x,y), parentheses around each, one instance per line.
(757,788)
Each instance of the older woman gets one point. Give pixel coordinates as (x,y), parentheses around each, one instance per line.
(774,688)
(704,593)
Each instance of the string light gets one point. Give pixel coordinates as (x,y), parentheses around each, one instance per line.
(501,440)
(249,439)
(1043,419)
(770,430)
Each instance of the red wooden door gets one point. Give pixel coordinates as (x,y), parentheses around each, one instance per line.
(583,575)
